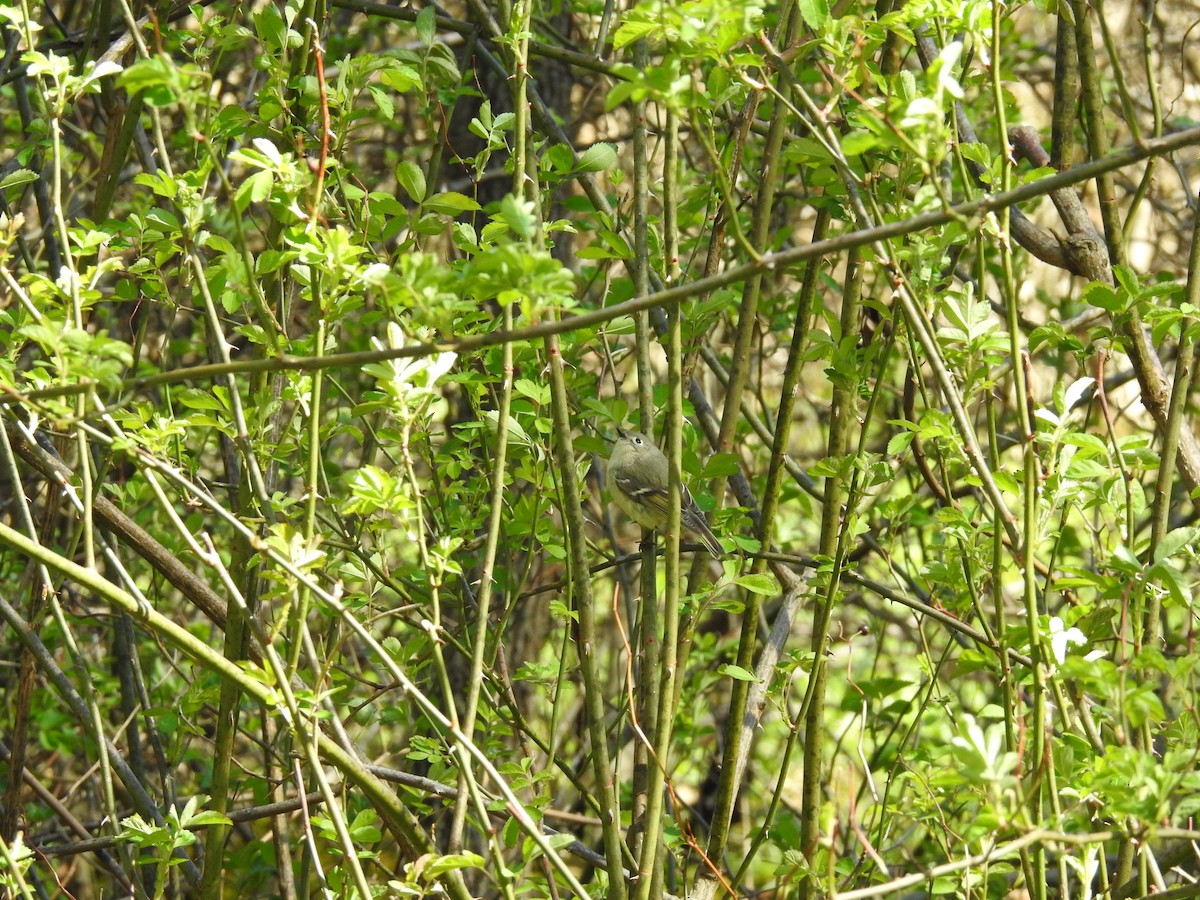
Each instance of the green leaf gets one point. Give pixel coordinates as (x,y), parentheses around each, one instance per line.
(815,14)
(18,177)
(598,158)
(154,76)
(628,32)
(451,203)
(208,817)
(401,79)
(1103,296)
(193,398)
(269,261)
(761,583)
(269,25)
(218,243)
(1128,279)
(383,101)
(536,391)
(1172,579)
(558,158)
(721,465)
(858,142)
(737,673)
(412,179)
(1176,541)
(1006,482)
(621,92)
(900,442)
(518,215)
(254,189)
(449,863)
(426,25)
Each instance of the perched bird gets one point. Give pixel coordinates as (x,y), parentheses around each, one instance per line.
(637,474)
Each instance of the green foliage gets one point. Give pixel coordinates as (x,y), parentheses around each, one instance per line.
(258,279)
(175,833)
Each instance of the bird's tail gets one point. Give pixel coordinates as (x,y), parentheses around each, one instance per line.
(697,526)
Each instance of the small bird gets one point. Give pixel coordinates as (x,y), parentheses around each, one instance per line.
(638,475)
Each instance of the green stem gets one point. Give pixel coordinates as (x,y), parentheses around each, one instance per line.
(772,176)
(660,657)
(589,640)
(834,519)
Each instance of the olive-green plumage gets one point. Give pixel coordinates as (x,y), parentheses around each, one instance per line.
(638,477)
